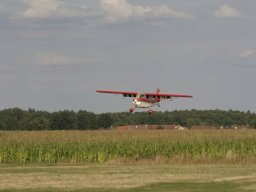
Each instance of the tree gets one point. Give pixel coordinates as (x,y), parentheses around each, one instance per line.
(35,123)
(18,119)
(86,120)
(11,123)
(63,120)
(252,123)
(105,120)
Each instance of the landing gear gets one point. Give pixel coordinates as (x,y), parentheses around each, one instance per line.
(131,110)
(150,112)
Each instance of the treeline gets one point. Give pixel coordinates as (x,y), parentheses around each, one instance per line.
(18,119)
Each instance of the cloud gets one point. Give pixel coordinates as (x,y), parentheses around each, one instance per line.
(226,11)
(42,9)
(110,11)
(247,53)
(1,7)
(121,10)
(56,59)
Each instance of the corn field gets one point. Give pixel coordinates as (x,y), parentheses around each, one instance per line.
(173,146)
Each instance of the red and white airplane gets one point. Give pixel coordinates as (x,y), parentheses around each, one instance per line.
(145,100)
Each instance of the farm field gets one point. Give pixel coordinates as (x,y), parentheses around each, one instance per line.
(155,160)
(166,146)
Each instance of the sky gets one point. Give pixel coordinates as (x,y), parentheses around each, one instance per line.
(55,54)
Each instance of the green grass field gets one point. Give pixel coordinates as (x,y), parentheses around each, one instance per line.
(129,161)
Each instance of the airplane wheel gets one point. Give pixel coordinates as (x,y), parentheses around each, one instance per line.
(131,110)
(150,112)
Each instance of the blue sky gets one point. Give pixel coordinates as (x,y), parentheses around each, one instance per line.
(56,53)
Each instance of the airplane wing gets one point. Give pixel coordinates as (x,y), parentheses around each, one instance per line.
(165,96)
(124,93)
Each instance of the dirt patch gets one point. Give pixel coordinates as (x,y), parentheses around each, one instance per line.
(249,178)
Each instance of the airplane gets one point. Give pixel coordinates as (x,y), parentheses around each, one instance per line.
(145,100)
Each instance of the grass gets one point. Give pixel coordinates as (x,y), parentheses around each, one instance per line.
(192,187)
(129,178)
(161,187)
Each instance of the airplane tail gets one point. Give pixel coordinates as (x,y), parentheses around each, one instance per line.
(157,91)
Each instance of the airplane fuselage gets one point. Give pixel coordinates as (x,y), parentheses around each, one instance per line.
(143,104)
